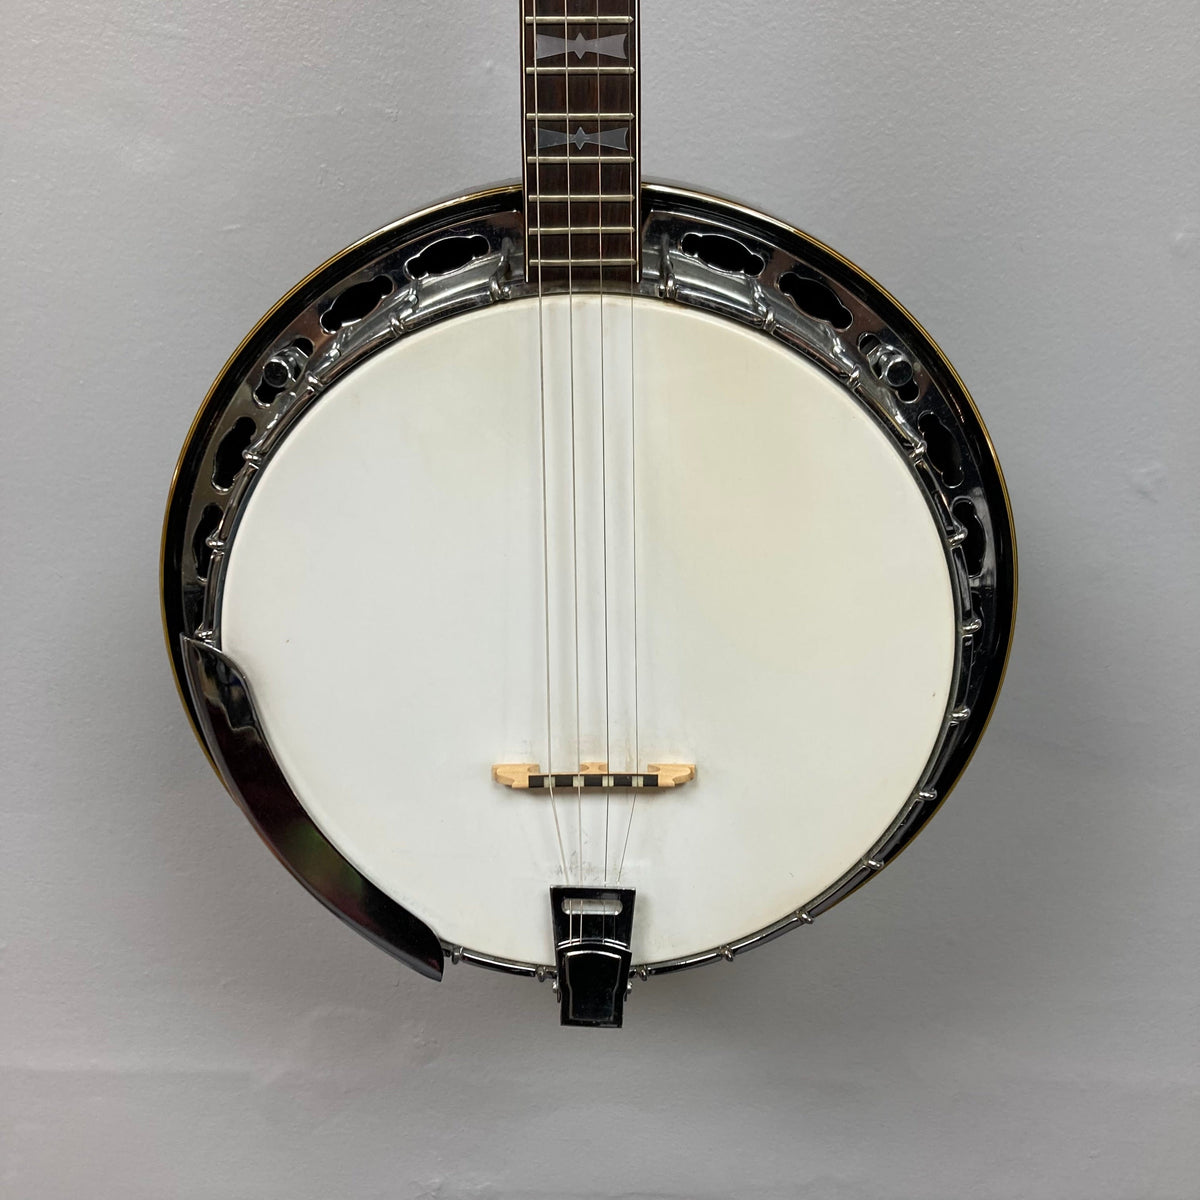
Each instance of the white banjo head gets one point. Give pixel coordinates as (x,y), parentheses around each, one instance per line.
(747,523)
(795,622)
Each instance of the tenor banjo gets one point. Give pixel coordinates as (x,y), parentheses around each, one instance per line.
(587,579)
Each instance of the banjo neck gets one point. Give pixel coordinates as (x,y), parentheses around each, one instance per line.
(579,68)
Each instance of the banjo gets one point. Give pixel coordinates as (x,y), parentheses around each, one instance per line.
(587,579)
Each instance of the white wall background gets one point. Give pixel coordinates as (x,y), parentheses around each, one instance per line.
(1010,1012)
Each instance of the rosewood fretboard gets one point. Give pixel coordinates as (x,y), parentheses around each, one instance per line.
(579,68)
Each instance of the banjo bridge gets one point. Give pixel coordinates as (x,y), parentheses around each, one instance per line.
(529,777)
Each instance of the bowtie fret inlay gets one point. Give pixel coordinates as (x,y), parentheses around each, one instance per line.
(611,46)
(617,139)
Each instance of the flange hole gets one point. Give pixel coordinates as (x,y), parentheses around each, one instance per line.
(975,546)
(941,449)
(723,253)
(356,302)
(227,461)
(447,254)
(815,299)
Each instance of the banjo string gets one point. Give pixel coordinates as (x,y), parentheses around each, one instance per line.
(574,451)
(537,170)
(636,208)
(603,451)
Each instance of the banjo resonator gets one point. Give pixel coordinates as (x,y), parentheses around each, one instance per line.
(514,512)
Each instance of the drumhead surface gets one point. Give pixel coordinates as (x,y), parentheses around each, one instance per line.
(386,594)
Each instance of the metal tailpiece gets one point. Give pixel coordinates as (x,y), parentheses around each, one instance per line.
(592,931)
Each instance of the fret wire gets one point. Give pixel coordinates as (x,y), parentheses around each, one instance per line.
(580,70)
(581,116)
(580,158)
(552,230)
(593,197)
(579,20)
